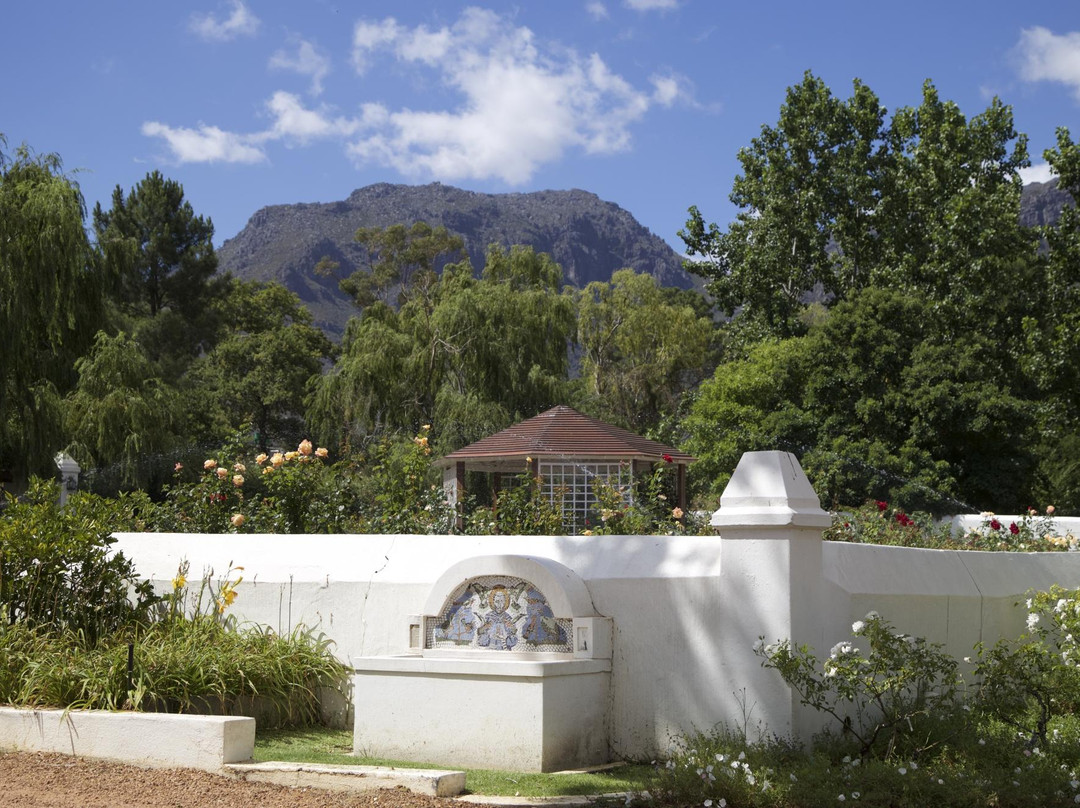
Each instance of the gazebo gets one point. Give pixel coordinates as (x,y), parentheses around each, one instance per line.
(569,452)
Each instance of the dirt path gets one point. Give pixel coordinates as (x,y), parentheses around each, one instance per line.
(57,781)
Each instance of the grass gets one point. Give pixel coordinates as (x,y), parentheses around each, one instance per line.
(320,745)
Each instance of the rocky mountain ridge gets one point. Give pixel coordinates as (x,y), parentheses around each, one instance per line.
(588,237)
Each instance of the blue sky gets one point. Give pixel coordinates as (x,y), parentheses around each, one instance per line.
(643,102)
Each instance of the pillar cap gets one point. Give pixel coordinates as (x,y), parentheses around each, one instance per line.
(769,489)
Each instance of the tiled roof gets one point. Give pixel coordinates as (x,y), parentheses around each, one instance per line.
(565,432)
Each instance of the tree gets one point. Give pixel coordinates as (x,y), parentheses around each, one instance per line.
(808,204)
(749,404)
(120,411)
(162,256)
(467,356)
(834,199)
(640,349)
(50,304)
(259,372)
(399,257)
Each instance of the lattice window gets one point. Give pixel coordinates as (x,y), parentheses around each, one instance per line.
(576,484)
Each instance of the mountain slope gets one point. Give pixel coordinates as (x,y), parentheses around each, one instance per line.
(588,237)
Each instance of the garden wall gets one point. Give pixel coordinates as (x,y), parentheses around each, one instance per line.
(686,610)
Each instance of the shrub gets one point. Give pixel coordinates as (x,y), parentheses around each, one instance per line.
(890,698)
(57,569)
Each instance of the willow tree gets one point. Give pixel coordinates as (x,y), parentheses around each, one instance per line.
(468,355)
(50,304)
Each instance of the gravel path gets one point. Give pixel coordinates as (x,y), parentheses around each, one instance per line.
(58,781)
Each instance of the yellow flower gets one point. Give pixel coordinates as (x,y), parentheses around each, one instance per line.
(291,455)
(1049,509)
(305,447)
(209,464)
(425,427)
(277,459)
(268,469)
(222,473)
(237,480)
(260,458)
(677,513)
(321,452)
(587,533)
(239,467)
(179,582)
(237,519)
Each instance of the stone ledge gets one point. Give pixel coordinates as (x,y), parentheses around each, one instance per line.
(152,740)
(433,782)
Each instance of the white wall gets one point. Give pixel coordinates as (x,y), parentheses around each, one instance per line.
(686,610)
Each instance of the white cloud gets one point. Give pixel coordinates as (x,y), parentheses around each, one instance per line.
(597,10)
(207,144)
(306,61)
(520,106)
(651,5)
(293,122)
(1040,172)
(240,23)
(370,36)
(1045,56)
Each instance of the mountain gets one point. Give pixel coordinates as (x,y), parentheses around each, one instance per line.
(588,237)
(1041,203)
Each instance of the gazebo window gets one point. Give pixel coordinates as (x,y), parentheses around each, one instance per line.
(575,483)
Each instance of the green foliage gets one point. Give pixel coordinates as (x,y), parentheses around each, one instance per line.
(890,698)
(1028,683)
(649,507)
(161,251)
(194,665)
(904,736)
(641,350)
(750,404)
(399,257)
(401,491)
(468,356)
(57,571)
(50,304)
(260,369)
(876,522)
(120,410)
(521,508)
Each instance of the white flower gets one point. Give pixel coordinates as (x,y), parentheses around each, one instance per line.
(841,648)
(1032,621)
(708,803)
(742,755)
(722,803)
(902,770)
(872,615)
(841,798)
(794,779)
(857,626)
(1028,602)
(1061,605)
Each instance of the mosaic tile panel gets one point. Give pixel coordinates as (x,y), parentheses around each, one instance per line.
(499,613)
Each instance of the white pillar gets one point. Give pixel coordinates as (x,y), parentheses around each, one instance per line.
(69,476)
(770,522)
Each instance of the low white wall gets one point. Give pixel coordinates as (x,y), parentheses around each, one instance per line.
(154,740)
(683,633)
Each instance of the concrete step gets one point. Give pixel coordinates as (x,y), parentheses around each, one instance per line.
(434,782)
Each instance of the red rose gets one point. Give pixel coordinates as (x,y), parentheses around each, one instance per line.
(995,524)
(1014,529)
(668,459)
(881,505)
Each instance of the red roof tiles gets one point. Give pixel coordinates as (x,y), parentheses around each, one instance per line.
(565,432)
